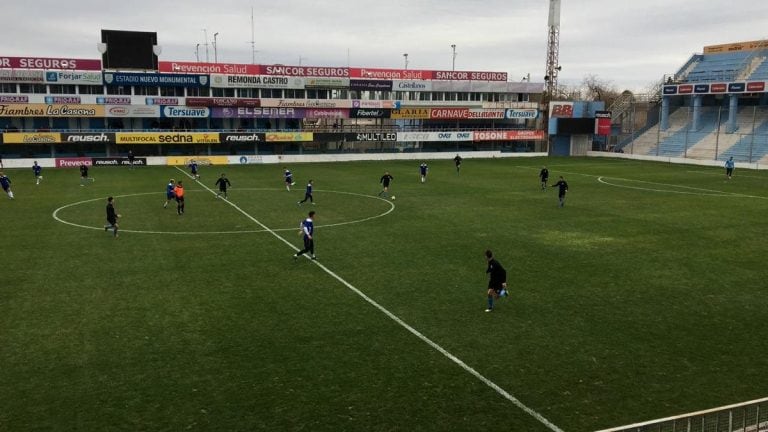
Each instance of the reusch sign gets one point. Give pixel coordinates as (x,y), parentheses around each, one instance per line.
(88,138)
(118,161)
(241,138)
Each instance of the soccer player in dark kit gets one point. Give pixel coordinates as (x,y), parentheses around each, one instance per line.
(563,189)
(544,176)
(385,180)
(112,217)
(497,284)
(223,182)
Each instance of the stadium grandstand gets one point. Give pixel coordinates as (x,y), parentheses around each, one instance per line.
(66,107)
(713,108)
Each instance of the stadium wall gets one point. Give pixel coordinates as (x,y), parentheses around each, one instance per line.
(259,159)
(674,160)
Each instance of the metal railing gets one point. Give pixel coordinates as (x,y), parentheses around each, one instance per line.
(751,416)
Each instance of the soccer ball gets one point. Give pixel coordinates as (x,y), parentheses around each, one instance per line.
(393,197)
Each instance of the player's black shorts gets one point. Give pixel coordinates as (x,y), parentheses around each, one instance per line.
(112,221)
(729,171)
(180,199)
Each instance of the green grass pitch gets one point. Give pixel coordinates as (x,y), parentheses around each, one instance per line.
(643,297)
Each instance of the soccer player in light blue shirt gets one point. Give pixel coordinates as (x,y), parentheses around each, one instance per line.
(308,231)
(729,165)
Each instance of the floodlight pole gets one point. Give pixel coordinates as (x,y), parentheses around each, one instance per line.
(215,48)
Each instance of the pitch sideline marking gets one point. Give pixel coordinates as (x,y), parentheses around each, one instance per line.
(719,194)
(55,216)
(712,192)
(551,426)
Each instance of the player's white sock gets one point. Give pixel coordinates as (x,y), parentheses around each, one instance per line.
(10,194)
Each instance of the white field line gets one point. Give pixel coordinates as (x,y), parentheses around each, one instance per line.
(56,216)
(723,174)
(402,323)
(707,192)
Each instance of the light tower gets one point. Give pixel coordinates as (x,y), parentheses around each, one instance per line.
(553,51)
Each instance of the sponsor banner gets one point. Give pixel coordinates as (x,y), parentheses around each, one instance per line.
(73,162)
(603,123)
(508,135)
(137,111)
(369,113)
(515,113)
(49,63)
(250,160)
(88,138)
(240,138)
(756,86)
(357,103)
(14,99)
(22,76)
(370,85)
(306,71)
(525,135)
(717,88)
(327,82)
(113,100)
(247,112)
(74,77)
(477,113)
(449,113)
(200,160)
(185,112)
(670,89)
(738,46)
(411,113)
(434,136)
(31,138)
(51,100)
(701,88)
(161,101)
(331,137)
(400,85)
(167,138)
(51,110)
(155,79)
(288,136)
(390,74)
(306,103)
(209,68)
(685,89)
(376,136)
(222,102)
(735,87)
(256,81)
(561,109)
(469,76)
(326,113)
(118,161)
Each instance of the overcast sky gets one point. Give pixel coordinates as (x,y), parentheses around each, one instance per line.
(630,43)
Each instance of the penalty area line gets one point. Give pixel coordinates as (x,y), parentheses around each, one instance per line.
(506,395)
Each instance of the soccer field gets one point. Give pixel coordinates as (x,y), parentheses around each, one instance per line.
(643,297)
